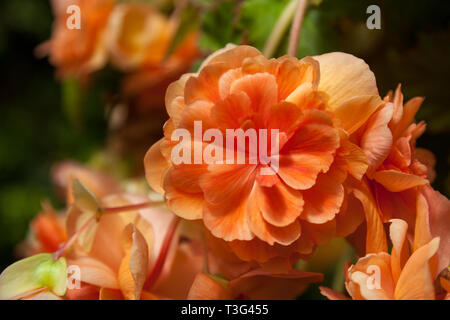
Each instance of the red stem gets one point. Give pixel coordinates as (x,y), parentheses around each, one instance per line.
(159,264)
(131,207)
(294,37)
(60,252)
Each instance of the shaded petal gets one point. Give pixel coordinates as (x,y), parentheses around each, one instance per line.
(260,284)
(265,231)
(280,205)
(155,167)
(354,112)
(396,181)
(133,268)
(206,288)
(416,281)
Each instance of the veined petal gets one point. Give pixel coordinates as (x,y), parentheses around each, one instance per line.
(343,76)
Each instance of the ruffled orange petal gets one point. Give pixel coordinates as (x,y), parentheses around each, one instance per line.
(279,205)
(376,140)
(354,112)
(396,181)
(307,153)
(324,199)
(155,167)
(375,236)
(265,231)
(439,209)
(293,72)
(416,280)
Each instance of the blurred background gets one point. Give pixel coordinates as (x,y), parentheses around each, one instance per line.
(43,120)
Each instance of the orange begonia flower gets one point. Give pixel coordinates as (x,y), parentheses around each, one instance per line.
(398,174)
(405,274)
(138,36)
(315,103)
(78,52)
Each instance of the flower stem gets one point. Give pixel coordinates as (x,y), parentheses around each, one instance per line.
(131,207)
(294,37)
(279,29)
(159,264)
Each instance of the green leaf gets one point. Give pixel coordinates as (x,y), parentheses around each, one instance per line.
(33,273)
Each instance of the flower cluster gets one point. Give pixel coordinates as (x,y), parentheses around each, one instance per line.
(343,163)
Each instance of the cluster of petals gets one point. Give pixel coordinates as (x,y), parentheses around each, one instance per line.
(133,36)
(316,103)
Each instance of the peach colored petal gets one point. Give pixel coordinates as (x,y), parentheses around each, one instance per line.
(400,249)
(354,112)
(343,76)
(225,182)
(206,288)
(409,110)
(175,92)
(306,154)
(231,112)
(376,140)
(109,227)
(229,220)
(350,217)
(187,264)
(286,118)
(427,158)
(305,97)
(95,272)
(318,233)
(293,72)
(265,231)
(396,181)
(232,55)
(261,88)
(353,158)
(416,279)
(438,215)
(198,110)
(371,277)
(279,205)
(205,85)
(155,167)
(422,232)
(227,80)
(259,284)
(376,237)
(324,199)
(133,268)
